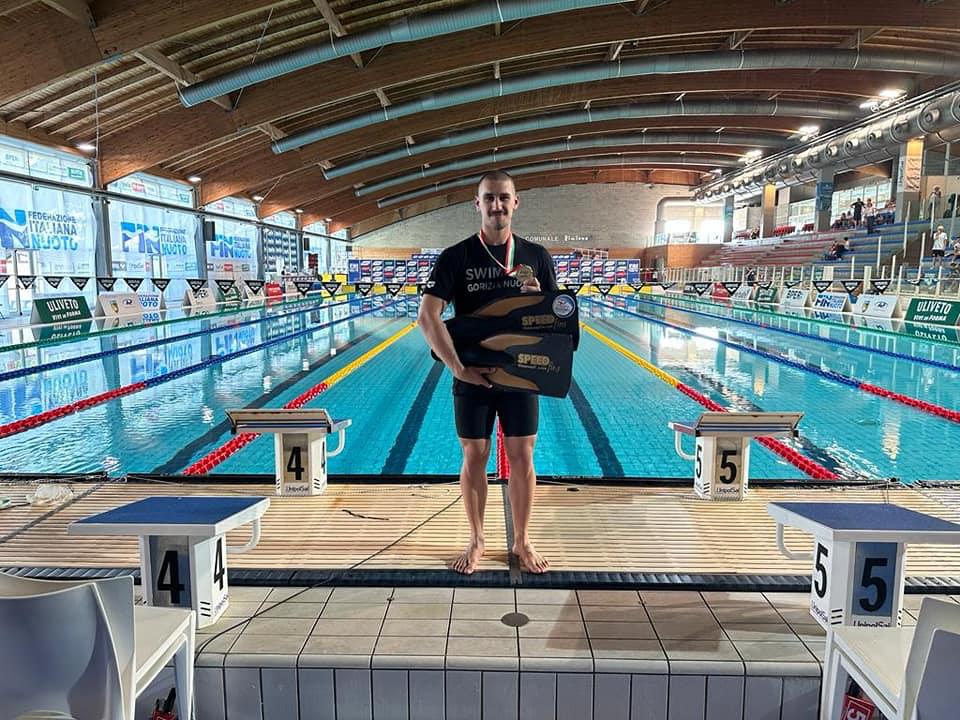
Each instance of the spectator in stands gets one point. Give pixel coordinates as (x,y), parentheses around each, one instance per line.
(934,202)
(755,233)
(841,223)
(857,206)
(940,240)
(955,262)
(870,212)
(891,204)
(751,277)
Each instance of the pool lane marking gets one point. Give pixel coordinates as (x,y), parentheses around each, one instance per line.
(813,469)
(183,455)
(599,440)
(213,458)
(32,421)
(928,407)
(399,454)
(158,323)
(753,308)
(809,336)
(815,452)
(66,362)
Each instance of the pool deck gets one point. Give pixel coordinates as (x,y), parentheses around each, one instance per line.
(660,606)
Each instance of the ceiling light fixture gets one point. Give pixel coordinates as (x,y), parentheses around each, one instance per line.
(299,211)
(85,147)
(194,179)
(258,198)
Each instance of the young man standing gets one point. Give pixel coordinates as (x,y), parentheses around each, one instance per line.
(489,265)
(940,240)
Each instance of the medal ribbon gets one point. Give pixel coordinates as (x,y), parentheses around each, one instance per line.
(509,268)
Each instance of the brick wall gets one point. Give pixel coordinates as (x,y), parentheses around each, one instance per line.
(619,216)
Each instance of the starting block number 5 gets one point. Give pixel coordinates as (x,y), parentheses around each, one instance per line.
(719,467)
(857,583)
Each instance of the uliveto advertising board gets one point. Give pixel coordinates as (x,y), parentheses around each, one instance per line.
(934,311)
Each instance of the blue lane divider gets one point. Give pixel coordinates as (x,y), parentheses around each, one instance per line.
(151,382)
(843,343)
(798,364)
(57,364)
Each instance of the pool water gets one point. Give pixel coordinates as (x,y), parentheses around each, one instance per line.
(613,423)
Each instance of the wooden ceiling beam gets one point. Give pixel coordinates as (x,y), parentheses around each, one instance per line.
(259,168)
(48,45)
(336,27)
(176,72)
(859,37)
(737,38)
(76,10)
(306,187)
(405,63)
(127,151)
(359,217)
(382,97)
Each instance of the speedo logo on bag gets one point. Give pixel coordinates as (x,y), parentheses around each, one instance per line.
(531,360)
(531,320)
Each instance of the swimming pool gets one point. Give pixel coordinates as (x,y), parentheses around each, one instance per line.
(613,424)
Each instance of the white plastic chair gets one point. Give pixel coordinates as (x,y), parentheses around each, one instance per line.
(908,673)
(83,648)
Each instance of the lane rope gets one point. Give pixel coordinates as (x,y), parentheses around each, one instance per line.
(28,423)
(814,469)
(66,362)
(856,383)
(213,458)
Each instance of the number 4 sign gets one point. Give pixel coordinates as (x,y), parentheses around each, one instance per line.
(187,572)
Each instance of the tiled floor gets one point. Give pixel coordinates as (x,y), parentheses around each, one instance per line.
(354,642)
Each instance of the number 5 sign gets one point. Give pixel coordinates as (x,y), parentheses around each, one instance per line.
(720,466)
(857,583)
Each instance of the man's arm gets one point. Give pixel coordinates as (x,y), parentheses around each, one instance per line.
(438,337)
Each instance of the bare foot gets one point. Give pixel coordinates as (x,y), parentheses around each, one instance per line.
(530,559)
(468,561)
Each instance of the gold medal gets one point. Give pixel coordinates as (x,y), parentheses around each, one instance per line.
(524,273)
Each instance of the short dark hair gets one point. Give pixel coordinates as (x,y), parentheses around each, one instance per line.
(497,176)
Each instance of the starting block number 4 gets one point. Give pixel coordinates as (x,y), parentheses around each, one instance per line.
(857,583)
(303,464)
(174,580)
(719,466)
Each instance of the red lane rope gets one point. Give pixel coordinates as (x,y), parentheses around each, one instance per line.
(503,464)
(18,426)
(929,407)
(213,458)
(795,458)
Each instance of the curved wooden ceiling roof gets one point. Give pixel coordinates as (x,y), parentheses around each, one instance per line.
(74,72)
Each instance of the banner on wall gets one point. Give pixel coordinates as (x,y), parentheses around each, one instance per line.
(47,310)
(146,241)
(56,227)
(233,249)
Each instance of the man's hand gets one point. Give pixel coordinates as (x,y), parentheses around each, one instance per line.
(531,285)
(475,376)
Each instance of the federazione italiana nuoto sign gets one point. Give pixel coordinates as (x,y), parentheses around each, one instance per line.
(934,311)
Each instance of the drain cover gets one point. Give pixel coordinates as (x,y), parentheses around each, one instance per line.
(515,619)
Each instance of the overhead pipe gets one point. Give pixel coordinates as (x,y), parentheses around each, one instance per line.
(405,29)
(588,142)
(696,108)
(527,170)
(920,63)
(864,145)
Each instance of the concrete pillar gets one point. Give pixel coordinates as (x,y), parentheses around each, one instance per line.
(728,218)
(768,207)
(824,199)
(906,182)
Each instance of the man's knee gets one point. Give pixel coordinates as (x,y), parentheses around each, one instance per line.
(520,453)
(476,453)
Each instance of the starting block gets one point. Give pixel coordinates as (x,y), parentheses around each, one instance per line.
(721,460)
(183,546)
(300,444)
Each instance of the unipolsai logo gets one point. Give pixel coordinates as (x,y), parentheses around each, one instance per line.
(13,227)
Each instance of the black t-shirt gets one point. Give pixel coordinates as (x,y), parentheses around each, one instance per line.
(466,275)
